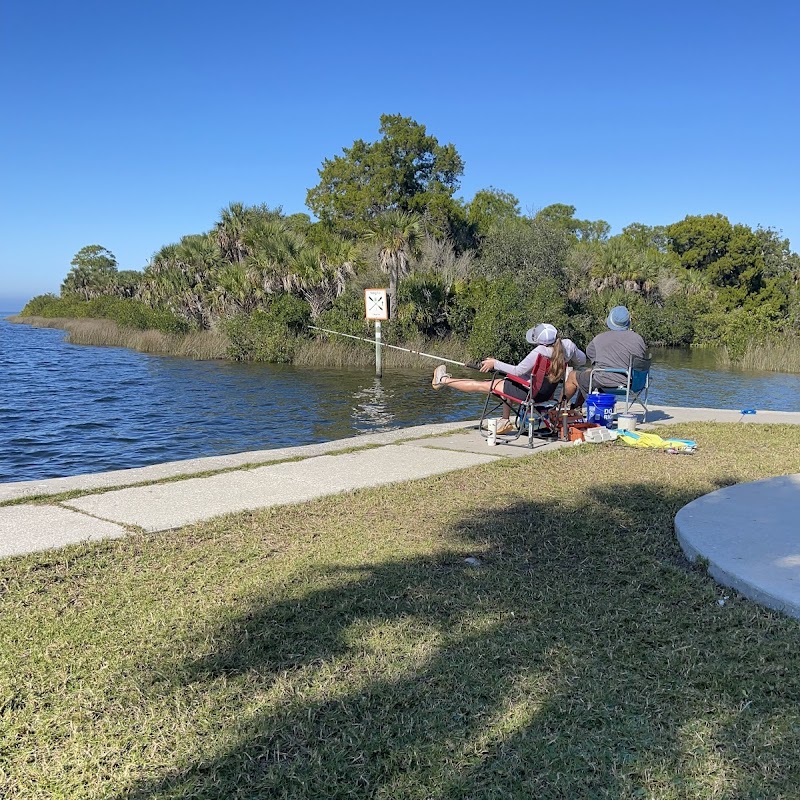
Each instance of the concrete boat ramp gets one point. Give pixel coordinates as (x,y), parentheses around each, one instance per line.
(749,533)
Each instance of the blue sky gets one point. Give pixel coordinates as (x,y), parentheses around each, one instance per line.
(131,124)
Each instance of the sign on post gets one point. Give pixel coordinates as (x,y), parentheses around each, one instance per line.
(376,303)
(377,308)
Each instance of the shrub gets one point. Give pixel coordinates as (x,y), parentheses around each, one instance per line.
(466,299)
(500,324)
(346,315)
(37,306)
(269,335)
(671,324)
(739,330)
(135,314)
(545,302)
(506,312)
(127,313)
(421,304)
(50,307)
(526,251)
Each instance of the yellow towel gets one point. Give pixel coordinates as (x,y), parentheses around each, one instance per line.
(641,439)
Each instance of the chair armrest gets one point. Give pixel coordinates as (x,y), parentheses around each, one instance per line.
(516,379)
(610,369)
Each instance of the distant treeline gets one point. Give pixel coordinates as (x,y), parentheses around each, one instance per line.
(476,273)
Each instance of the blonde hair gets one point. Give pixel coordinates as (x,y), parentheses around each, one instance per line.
(558,363)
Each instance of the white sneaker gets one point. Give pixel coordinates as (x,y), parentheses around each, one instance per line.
(439,373)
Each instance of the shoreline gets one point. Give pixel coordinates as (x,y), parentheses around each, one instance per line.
(214,345)
(14,491)
(336,353)
(198,345)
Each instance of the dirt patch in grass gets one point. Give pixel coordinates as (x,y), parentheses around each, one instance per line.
(344,648)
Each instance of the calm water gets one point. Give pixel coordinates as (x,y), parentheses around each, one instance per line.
(68,409)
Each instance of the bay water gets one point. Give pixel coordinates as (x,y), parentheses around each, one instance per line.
(70,409)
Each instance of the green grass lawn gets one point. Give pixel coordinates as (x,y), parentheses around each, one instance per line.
(344,649)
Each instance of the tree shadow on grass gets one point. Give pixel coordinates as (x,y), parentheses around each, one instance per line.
(583,658)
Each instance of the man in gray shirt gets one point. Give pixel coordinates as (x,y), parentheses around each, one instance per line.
(611,349)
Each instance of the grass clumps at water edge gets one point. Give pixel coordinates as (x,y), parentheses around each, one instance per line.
(773,355)
(343,648)
(199,345)
(217,344)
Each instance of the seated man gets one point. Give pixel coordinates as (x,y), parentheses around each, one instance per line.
(611,349)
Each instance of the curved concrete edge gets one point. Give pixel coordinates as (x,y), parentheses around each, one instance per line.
(750,536)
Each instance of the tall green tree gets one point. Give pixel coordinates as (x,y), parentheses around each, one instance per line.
(406,169)
(563,216)
(93,271)
(700,240)
(491,207)
(732,256)
(644,236)
(776,251)
(526,250)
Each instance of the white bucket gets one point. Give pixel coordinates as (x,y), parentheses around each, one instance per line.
(491,426)
(627,422)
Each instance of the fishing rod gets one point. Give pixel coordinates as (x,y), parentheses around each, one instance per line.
(468,365)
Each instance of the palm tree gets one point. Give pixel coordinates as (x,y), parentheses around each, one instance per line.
(235,291)
(180,276)
(230,232)
(273,248)
(696,281)
(321,275)
(398,235)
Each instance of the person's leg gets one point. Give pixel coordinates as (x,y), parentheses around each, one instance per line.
(467,384)
(478,387)
(570,387)
(581,386)
(441,378)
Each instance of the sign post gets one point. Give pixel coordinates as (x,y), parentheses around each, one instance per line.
(377,308)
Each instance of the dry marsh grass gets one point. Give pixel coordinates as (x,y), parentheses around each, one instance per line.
(341,353)
(199,345)
(330,352)
(775,355)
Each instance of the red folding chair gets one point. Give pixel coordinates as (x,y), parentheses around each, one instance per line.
(531,407)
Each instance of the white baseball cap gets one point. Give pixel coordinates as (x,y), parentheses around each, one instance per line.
(543,333)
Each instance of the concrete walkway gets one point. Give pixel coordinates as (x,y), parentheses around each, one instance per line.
(170,495)
(174,494)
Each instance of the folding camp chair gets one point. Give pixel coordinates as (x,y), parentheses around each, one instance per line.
(634,383)
(533,413)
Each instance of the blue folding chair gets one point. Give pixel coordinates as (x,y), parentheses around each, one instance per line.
(634,383)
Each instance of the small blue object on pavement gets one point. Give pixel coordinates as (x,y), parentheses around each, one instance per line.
(748,411)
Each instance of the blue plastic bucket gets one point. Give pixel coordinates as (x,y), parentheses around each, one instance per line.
(600,409)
